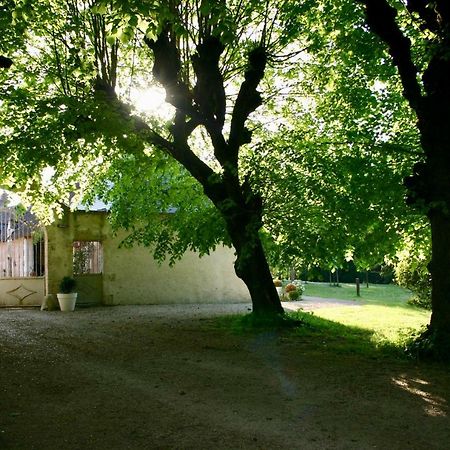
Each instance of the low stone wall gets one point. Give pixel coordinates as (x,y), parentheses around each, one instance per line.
(21,291)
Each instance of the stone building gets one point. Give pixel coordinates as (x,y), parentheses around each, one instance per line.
(83,245)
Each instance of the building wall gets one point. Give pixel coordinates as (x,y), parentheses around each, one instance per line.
(78,226)
(131,276)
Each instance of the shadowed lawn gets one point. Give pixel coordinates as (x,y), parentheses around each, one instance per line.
(381,319)
(337,335)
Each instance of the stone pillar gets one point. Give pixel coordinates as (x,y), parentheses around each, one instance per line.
(58,252)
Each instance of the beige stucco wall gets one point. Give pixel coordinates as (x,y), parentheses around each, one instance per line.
(131,276)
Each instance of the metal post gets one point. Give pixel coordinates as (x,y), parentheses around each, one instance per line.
(357,288)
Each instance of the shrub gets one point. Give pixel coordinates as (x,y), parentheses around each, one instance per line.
(290,287)
(67,285)
(293,295)
(300,286)
(411,272)
(277,283)
(293,291)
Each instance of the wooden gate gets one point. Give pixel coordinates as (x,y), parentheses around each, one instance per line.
(88,270)
(22,258)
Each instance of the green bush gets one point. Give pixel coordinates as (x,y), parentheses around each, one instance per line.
(293,290)
(411,272)
(67,285)
(293,295)
(300,287)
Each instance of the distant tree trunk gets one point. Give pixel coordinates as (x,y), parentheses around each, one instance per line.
(292,273)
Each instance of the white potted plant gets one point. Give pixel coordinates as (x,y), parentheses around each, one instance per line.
(66,297)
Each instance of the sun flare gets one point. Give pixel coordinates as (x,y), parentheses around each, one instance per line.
(152,101)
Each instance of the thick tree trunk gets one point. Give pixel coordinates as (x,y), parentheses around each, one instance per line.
(251,266)
(440,274)
(242,212)
(432,186)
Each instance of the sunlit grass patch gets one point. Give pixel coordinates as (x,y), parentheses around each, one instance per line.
(379,324)
(387,323)
(389,294)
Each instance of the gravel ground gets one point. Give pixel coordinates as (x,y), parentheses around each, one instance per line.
(170,377)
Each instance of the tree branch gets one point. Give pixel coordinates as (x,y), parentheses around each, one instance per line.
(5,63)
(179,149)
(428,15)
(247,101)
(381,17)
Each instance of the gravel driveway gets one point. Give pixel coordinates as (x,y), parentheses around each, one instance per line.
(171,377)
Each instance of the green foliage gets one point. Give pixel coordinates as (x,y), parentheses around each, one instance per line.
(161,205)
(411,272)
(57,116)
(325,204)
(67,285)
(82,257)
(330,170)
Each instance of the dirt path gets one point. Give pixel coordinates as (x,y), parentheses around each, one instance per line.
(145,377)
(310,303)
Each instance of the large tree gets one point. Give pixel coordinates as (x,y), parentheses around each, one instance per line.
(198,50)
(417,35)
(331,169)
(68,110)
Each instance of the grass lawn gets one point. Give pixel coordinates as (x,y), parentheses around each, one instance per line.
(379,324)
(382,294)
(381,313)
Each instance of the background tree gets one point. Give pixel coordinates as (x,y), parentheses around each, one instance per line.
(331,167)
(411,271)
(417,36)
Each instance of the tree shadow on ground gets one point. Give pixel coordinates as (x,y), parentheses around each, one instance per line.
(323,334)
